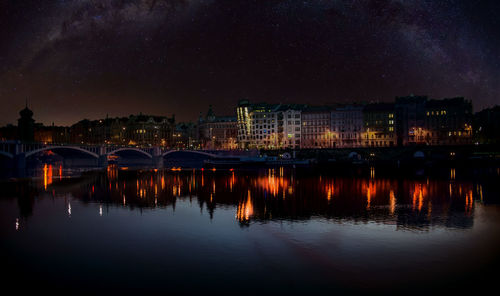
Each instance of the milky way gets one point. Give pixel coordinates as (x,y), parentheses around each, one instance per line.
(77,59)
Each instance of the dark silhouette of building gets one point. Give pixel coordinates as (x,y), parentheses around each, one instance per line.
(487,126)
(410,119)
(448,122)
(26,126)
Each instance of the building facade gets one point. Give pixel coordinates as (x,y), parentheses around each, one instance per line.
(410,120)
(217,132)
(379,125)
(269,126)
(347,126)
(448,122)
(316,128)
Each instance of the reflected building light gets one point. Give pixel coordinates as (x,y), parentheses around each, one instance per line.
(60,172)
(481,192)
(124,200)
(45,176)
(100,210)
(368,197)
(245,209)
(69,209)
(420,198)
(17,224)
(50,174)
(469,202)
(392,202)
(414,198)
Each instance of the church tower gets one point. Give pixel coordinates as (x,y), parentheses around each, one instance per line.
(26,125)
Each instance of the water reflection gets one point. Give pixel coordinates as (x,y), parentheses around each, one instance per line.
(274,194)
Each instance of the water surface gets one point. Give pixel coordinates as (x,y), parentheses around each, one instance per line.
(273,231)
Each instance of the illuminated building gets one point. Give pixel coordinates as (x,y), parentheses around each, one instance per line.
(133,130)
(269,126)
(448,122)
(291,124)
(185,136)
(218,132)
(347,124)
(379,125)
(51,134)
(259,125)
(410,120)
(316,131)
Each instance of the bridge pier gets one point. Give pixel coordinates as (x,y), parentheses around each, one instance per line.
(157,162)
(103,161)
(20,161)
(157,158)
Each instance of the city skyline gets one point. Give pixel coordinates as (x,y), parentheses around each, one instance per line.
(231,110)
(86,59)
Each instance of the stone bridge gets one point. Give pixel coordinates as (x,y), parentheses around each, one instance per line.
(20,152)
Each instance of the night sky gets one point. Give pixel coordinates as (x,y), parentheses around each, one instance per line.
(78,59)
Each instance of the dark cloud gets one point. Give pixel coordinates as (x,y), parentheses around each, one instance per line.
(81,58)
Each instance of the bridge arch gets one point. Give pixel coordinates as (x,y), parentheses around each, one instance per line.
(6,154)
(130,149)
(189,151)
(28,154)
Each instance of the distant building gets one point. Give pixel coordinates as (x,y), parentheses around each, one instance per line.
(269,126)
(487,126)
(379,125)
(410,120)
(217,132)
(316,128)
(139,129)
(9,133)
(51,134)
(448,122)
(259,125)
(186,136)
(150,130)
(347,126)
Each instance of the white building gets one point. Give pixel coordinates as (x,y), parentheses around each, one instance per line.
(268,126)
